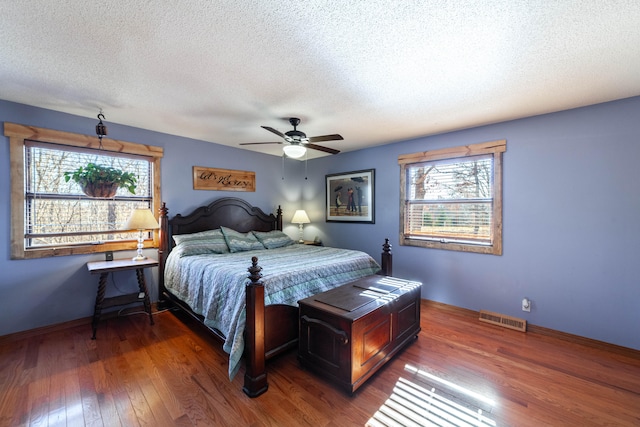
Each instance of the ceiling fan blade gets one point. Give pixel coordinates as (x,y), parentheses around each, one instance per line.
(334,137)
(270,129)
(321,148)
(258,143)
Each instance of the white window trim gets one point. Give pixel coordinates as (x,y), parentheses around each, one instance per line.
(496,148)
(17,134)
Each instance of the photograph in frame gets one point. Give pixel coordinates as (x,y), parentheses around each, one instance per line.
(350,196)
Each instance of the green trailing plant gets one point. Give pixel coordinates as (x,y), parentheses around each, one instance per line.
(93,175)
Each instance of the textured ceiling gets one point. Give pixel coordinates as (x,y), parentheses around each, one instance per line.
(374,71)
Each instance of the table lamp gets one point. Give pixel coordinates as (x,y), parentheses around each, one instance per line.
(300,217)
(141,219)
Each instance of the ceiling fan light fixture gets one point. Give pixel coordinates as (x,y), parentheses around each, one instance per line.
(294,151)
(297,142)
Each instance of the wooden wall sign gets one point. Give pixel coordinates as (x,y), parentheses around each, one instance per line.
(223,179)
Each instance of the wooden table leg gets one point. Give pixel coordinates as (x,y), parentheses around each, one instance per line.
(102,284)
(142,284)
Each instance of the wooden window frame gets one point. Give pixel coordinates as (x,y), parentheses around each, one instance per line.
(494,148)
(17,134)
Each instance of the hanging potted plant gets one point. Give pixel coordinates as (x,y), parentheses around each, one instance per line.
(102,181)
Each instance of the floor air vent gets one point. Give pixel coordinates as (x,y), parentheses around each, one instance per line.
(503,320)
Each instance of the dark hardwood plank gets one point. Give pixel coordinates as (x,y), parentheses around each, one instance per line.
(173,374)
(38,389)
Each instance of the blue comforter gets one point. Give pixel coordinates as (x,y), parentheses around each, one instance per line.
(214,285)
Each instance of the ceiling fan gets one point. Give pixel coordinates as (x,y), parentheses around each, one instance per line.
(296,142)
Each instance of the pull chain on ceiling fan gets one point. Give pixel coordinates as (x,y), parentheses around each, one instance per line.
(296,142)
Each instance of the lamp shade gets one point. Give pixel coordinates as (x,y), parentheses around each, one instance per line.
(294,150)
(300,217)
(141,219)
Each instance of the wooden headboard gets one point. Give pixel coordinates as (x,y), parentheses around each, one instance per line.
(230,212)
(227,212)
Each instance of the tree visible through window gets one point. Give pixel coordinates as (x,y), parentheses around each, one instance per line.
(452,198)
(51,216)
(59,213)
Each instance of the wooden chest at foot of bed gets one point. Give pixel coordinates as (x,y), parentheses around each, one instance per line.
(348,333)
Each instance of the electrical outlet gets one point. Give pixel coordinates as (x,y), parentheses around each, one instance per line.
(108,256)
(526,304)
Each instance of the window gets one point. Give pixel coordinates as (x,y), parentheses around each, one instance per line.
(452,198)
(51,216)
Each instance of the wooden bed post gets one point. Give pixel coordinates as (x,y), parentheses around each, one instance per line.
(279,218)
(163,250)
(387,269)
(255,376)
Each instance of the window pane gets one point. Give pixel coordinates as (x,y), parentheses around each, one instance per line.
(59,213)
(46,169)
(450,180)
(450,200)
(461,222)
(56,222)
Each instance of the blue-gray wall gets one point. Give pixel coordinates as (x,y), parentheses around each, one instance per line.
(571,222)
(40,292)
(571,231)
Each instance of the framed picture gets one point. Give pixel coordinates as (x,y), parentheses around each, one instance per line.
(350,196)
(223,179)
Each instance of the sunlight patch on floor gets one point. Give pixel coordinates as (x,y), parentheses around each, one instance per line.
(417,403)
(424,375)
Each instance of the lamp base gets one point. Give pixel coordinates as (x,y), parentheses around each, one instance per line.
(139,256)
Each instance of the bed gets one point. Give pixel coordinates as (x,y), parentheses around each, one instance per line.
(225,291)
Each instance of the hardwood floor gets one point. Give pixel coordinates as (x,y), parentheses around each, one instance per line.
(173,374)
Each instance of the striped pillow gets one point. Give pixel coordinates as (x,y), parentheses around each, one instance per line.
(240,242)
(273,239)
(204,242)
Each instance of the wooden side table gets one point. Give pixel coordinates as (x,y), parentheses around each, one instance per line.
(103,268)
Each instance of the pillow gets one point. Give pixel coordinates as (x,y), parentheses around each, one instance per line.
(239,242)
(204,242)
(273,239)
(179,238)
